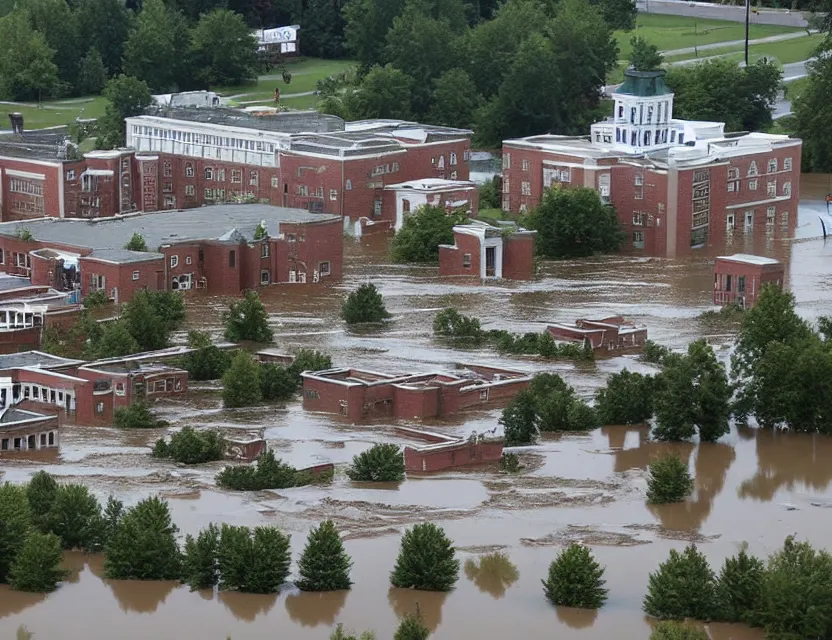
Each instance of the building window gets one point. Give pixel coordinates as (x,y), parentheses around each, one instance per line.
(787,188)
(526,188)
(174,261)
(638,239)
(167,170)
(119,388)
(188,260)
(735,186)
(319,192)
(291,237)
(506,186)
(302,190)
(70,174)
(638,218)
(275,182)
(749,221)
(752,185)
(348,185)
(177,384)
(523,208)
(265,277)
(453,175)
(311,394)
(526,165)
(232,258)
(325,268)
(506,203)
(752,168)
(2,257)
(189,170)
(236,175)
(784,219)
(771,189)
(264,250)
(209,173)
(466,260)
(167,186)
(729,222)
(169,202)
(733,174)
(787,164)
(253,178)
(189,190)
(771,218)
(772,165)
(333,194)
(135,275)
(99,408)
(506,161)
(453,158)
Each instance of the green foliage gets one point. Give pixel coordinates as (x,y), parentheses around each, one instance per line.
(490,194)
(40,492)
(684,586)
(450,323)
(519,420)
(575,579)
(200,565)
(190,446)
(324,565)
(151,316)
(729,314)
(253,560)
(98,298)
(385,92)
(627,398)
(247,320)
(558,407)
(427,560)
(15,517)
(126,97)
(115,341)
(719,90)
(277,383)
(363,305)
(92,74)
(454,103)
(493,573)
(136,241)
(309,360)
(510,463)
(59,26)
(26,68)
(75,517)
(207,362)
(693,394)
(812,109)
(340,634)
(136,415)
(143,545)
(382,462)
(796,595)
(113,515)
(267,473)
(672,630)
(104,25)
(150,51)
(669,480)
(739,587)
(411,628)
(573,223)
(37,567)
(25,235)
(223,48)
(241,382)
(422,232)
(656,353)
(644,56)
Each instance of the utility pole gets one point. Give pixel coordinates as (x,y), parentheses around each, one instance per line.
(747,20)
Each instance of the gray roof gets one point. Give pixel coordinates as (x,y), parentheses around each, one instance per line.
(123,256)
(13,282)
(34,359)
(218,222)
(12,415)
(42,144)
(281,122)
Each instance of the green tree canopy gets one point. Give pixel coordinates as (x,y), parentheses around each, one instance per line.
(367,24)
(427,560)
(126,97)
(253,560)
(116,341)
(365,304)
(739,587)
(813,110)
(16,518)
(59,26)
(189,446)
(323,28)
(519,420)
(644,55)
(382,462)
(324,564)
(267,473)
(200,564)
(136,415)
(247,319)
(626,399)
(37,567)
(455,101)
(136,243)
(573,223)
(241,382)
(575,579)
(423,231)
(673,630)
(92,74)
(75,517)
(669,480)
(40,492)
(224,50)
(104,24)
(150,48)
(411,627)
(684,586)
(26,68)
(385,92)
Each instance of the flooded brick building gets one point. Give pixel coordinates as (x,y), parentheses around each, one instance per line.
(489,251)
(739,278)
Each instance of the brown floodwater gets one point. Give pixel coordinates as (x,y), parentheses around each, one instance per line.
(752,487)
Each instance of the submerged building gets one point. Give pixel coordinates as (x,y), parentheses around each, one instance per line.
(677,185)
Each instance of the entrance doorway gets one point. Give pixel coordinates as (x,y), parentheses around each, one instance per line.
(490,262)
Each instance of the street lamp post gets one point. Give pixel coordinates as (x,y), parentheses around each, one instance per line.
(747,20)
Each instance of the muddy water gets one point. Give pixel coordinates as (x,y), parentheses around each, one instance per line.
(754,487)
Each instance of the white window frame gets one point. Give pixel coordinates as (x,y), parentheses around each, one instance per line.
(174,261)
(209,173)
(787,164)
(70,174)
(771,189)
(348,185)
(264,250)
(787,188)
(136,275)
(772,165)
(453,159)
(752,185)
(265,277)
(324,272)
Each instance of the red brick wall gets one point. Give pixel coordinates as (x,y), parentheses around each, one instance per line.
(416,403)
(43,270)
(21,340)
(451,260)
(48,205)
(314,243)
(330,395)
(454,455)
(518,257)
(120,276)
(755,277)
(454,398)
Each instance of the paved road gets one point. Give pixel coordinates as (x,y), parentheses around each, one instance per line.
(709,11)
(733,43)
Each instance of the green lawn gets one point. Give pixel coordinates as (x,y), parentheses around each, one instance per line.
(305,76)
(59,112)
(785,52)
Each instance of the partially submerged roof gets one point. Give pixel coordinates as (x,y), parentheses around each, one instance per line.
(35,360)
(123,256)
(13,415)
(750,259)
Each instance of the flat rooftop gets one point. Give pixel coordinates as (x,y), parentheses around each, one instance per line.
(279,122)
(35,359)
(747,258)
(223,222)
(13,415)
(39,144)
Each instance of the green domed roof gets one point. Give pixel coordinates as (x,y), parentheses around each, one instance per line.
(644,84)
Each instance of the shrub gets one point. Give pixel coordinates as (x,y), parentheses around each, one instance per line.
(324,565)
(200,567)
(575,579)
(411,628)
(668,480)
(656,353)
(277,383)
(136,415)
(190,446)
(247,319)
(16,521)
(422,232)
(684,586)
(136,243)
(427,560)
(40,492)
(253,561)
(796,595)
(672,630)
(510,463)
(206,362)
(143,545)
(241,383)
(365,304)
(97,298)
(113,515)
(37,567)
(267,473)
(309,360)
(450,323)
(558,406)
(151,317)
(493,573)
(340,634)
(739,586)
(379,463)
(519,420)
(114,341)
(75,517)
(627,399)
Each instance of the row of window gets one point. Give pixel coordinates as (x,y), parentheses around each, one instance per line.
(29,442)
(201,138)
(17,185)
(771,187)
(648,112)
(734,172)
(303,190)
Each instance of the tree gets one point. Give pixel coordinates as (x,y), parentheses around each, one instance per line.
(40,492)
(26,68)
(241,383)
(693,393)
(267,473)
(627,398)
(75,517)
(669,480)
(672,630)
(136,415)
(55,20)
(573,223)
(811,110)
(150,48)
(575,579)
(450,323)
(363,305)
(423,231)
(136,243)
(126,97)
(200,566)
(225,51)
(324,565)
(618,14)
(277,383)
(169,307)
(144,324)
(103,25)
(15,521)
(718,90)
(247,319)
(382,462)
(207,361)
(796,595)
(739,587)
(189,446)
(97,298)
(113,515)
(253,561)
(143,546)
(558,407)
(455,101)
(519,420)
(411,628)
(37,567)
(427,560)
(385,92)
(309,360)
(92,74)
(116,341)
(490,191)
(323,29)
(367,24)
(644,55)
(684,586)
(340,634)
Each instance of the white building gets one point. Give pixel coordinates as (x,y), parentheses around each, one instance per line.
(284,38)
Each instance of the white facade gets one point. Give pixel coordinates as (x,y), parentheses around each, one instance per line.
(491,242)
(413,195)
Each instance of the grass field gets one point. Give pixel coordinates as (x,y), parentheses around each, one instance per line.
(785,51)
(51,114)
(305,76)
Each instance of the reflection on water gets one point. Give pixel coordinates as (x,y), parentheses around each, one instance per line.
(312,609)
(492,573)
(13,602)
(247,606)
(576,618)
(141,596)
(410,601)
